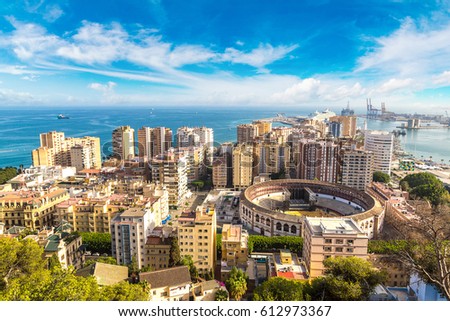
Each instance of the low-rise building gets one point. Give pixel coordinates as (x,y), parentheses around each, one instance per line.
(206,290)
(157,252)
(234,249)
(173,284)
(329,237)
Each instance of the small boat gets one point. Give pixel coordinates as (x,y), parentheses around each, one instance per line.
(61,116)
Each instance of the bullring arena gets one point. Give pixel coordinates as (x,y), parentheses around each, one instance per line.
(279,207)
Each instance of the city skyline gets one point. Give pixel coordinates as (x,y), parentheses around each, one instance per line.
(226,53)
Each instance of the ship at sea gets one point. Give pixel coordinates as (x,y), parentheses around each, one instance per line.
(61,116)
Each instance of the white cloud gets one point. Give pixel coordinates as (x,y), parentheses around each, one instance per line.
(16,70)
(53,13)
(394,84)
(442,79)
(12,97)
(259,57)
(104,88)
(414,49)
(29,40)
(304,90)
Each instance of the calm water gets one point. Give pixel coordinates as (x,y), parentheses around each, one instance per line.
(20,128)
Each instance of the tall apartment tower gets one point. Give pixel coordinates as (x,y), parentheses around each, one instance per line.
(246,133)
(242,166)
(357,168)
(123,142)
(68,151)
(170,169)
(381,144)
(220,172)
(154,141)
(197,238)
(318,160)
(271,158)
(264,127)
(129,232)
(197,137)
(348,125)
(327,237)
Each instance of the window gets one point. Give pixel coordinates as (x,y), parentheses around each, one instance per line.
(350,242)
(350,250)
(327,248)
(339,249)
(328,241)
(339,241)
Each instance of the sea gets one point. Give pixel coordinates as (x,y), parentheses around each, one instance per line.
(20,127)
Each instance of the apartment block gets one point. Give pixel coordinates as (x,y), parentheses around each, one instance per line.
(56,149)
(318,160)
(123,143)
(246,133)
(357,168)
(197,238)
(157,252)
(31,209)
(271,158)
(129,232)
(154,141)
(171,170)
(381,144)
(242,166)
(234,248)
(348,128)
(330,237)
(220,173)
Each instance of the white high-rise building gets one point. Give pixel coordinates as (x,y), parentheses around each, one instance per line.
(381,144)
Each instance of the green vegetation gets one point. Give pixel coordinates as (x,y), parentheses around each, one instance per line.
(386,247)
(221,295)
(280,289)
(97,242)
(175,256)
(25,278)
(425,186)
(381,177)
(101,259)
(7,173)
(189,262)
(198,184)
(346,279)
(259,243)
(236,283)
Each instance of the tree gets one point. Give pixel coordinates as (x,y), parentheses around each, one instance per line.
(175,256)
(236,283)
(280,289)
(53,262)
(124,291)
(428,250)
(18,258)
(189,262)
(97,242)
(221,295)
(263,243)
(107,260)
(426,186)
(7,173)
(346,279)
(381,177)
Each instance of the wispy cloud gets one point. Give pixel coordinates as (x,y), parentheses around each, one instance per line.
(53,13)
(416,48)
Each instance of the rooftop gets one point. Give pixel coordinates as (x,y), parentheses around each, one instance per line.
(338,225)
(106,274)
(167,278)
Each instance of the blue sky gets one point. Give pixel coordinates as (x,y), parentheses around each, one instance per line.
(225,53)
